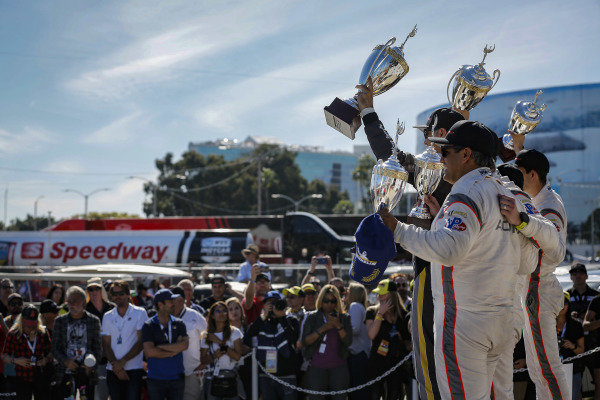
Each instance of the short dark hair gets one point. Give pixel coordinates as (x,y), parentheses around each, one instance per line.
(542,175)
(483,160)
(121,284)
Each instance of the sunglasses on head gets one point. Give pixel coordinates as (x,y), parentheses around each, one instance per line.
(332,301)
(445,149)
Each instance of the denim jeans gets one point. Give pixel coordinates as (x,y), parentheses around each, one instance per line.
(125,390)
(577,383)
(159,389)
(357,366)
(271,390)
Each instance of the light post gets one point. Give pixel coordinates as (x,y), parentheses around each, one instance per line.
(86,197)
(35,204)
(296,203)
(154,194)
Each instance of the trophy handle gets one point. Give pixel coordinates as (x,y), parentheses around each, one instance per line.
(497,78)
(448,87)
(383,48)
(543,108)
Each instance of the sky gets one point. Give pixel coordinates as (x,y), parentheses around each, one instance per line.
(93,92)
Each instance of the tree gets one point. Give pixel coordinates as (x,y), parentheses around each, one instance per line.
(27,224)
(106,215)
(362,174)
(343,207)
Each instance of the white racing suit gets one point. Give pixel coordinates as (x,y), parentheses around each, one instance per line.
(544,234)
(542,300)
(475,255)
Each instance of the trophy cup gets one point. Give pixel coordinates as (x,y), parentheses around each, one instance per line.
(386,66)
(388,178)
(524,118)
(472,84)
(428,174)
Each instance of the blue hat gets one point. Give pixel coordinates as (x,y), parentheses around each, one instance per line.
(375,247)
(273,294)
(164,294)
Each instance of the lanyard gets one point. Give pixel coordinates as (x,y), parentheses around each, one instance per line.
(124,320)
(32,348)
(162,329)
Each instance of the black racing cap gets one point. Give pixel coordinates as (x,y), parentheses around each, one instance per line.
(532,159)
(578,267)
(48,306)
(511,172)
(441,118)
(471,134)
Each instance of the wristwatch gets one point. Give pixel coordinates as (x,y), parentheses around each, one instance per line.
(524,220)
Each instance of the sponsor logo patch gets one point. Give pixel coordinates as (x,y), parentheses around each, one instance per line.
(31,250)
(455,224)
(530,208)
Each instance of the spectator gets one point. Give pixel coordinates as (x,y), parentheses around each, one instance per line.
(28,347)
(142,298)
(275,336)
(295,301)
(310,297)
(76,338)
(98,305)
(402,283)
(252,255)
(319,259)
(6,289)
(164,339)
(219,292)
(570,340)
(221,347)
(238,320)
(15,306)
(57,294)
(523,386)
(154,287)
(356,302)
(122,341)
(3,332)
(48,313)
(195,325)
(591,326)
(188,290)
(258,286)
(339,284)
(580,297)
(326,337)
(387,327)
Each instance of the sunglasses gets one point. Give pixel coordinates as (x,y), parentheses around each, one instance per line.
(445,149)
(292,297)
(332,301)
(15,303)
(220,311)
(7,287)
(120,293)
(93,289)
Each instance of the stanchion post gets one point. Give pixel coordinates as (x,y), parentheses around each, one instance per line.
(254,375)
(415,389)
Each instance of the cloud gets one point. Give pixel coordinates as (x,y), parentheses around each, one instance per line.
(155,58)
(120,131)
(29,140)
(68,166)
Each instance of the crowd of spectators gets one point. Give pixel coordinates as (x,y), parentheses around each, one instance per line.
(105,340)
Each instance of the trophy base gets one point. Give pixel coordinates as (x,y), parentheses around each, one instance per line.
(342,117)
(507,141)
(420,211)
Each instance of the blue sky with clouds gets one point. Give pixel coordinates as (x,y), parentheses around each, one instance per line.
(95,91)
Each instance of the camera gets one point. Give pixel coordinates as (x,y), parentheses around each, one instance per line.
(321,260)
(280,305)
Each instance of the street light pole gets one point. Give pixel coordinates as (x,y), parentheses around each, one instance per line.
(296,203)
(35,209)
(86,197)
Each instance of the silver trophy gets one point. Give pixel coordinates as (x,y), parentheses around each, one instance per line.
(388,178)
(428,174)
(386,66)
(471,84)
(524,118)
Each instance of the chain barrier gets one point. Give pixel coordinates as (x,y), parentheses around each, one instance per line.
(210,369)
(335,392)
(567,360)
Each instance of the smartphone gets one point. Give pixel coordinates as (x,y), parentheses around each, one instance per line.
(321,260)
(264,269)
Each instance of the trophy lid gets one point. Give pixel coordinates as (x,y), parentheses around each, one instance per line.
(429,159)
(476,75)
(528,110)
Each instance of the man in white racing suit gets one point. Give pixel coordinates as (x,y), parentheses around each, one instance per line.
(475,255)
(544,234)
(542,296)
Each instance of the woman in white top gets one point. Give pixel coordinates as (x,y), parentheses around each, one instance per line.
(221,344)
(356,304)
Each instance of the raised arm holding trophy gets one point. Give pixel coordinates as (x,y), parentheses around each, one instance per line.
(524,118)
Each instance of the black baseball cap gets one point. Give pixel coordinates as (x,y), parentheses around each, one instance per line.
(440,118)
(578,267)
(532,159)
(217,278)
(512,173)
(471,134)
(163,295)
(30,313)
(264,276)
(48,306)
(178,290)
